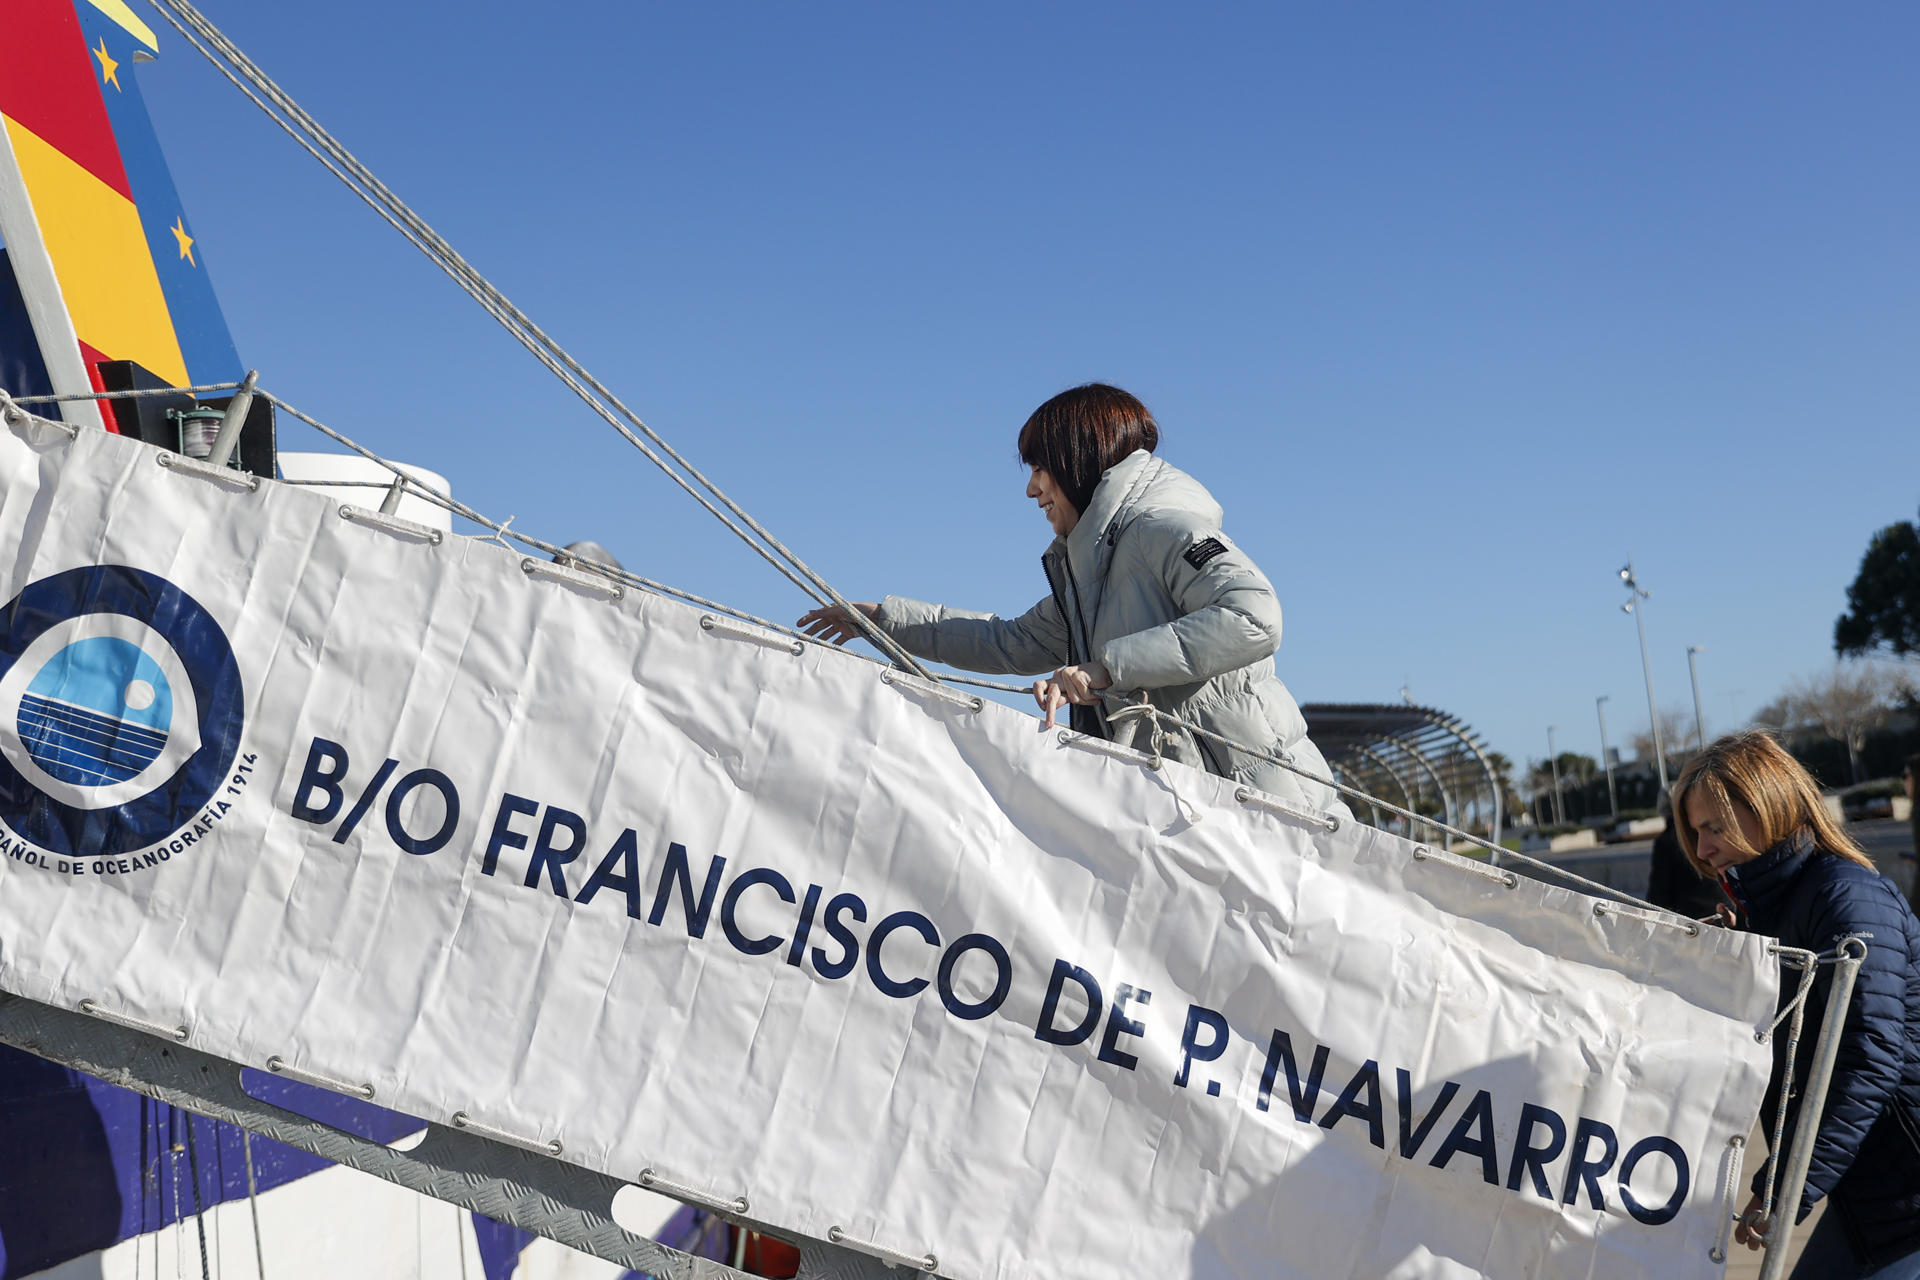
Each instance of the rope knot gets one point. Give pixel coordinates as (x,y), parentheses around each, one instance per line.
(1157,748)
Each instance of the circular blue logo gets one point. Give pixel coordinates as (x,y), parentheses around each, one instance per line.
(120,711)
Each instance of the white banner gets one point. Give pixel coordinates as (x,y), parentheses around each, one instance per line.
(425,815)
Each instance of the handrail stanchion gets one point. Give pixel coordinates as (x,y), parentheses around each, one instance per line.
(390,505)
(234,419)
(1800,1154)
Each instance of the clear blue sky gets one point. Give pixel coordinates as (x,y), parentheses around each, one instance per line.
(1453,307)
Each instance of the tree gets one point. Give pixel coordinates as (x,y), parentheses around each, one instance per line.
(1510,803)
(1575,772)
(1676,735)
(1847,703)
(1883,604)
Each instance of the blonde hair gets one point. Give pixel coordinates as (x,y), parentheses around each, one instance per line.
(1754,771)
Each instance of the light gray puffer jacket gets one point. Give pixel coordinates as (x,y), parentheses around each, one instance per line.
(1148,585)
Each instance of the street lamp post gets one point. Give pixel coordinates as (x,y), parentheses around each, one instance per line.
(1635,594)
(1553,763)
(1699,717)
(1606,756)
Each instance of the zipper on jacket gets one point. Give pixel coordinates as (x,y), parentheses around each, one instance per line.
(1073,589)
(1907,1126)
(1060,603)
(1091,721)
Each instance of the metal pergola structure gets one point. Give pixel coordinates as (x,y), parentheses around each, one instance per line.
(1418,757)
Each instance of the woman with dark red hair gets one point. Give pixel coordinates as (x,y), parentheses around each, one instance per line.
(1147,596)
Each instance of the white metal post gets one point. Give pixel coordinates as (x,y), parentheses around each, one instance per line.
(1636,594)
(1819,1075)
(1553,765)
(1699,716)
(1606,756)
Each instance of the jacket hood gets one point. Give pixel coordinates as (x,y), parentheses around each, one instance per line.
(1765,884)
(1137,485)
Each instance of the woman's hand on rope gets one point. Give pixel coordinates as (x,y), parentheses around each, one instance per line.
(1079,685)
(1752,1229)
(835,624)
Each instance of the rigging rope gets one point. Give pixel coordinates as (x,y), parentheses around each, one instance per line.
(199,1210)
(304,129)
(1729,1184)
(174,1152)
(253,1205)
(501,531)
(1797,1007)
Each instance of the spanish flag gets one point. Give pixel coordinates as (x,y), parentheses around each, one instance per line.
(106,260)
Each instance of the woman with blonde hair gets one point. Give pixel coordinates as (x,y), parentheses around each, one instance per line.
(1751,817)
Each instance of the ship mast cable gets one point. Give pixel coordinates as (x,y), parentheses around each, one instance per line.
(296,122)
(204,389)
(552,365)
(498,531)
(418,232)
(501,530)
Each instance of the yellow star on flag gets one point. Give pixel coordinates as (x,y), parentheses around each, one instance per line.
(179,229)
(109,69)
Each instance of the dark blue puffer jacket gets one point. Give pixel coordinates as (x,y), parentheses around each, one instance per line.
(1867,1153)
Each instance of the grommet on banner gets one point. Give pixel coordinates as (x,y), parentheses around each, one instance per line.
(219,475)
(1101,747)
(392,524)
(1422,853)
(741,631)
(1260,800)
(1728,1182)
(19,419)
(94,1009)
(281,1067)
(692,1195)
(892,1257)
(932,688)
(1601,910)
(579,578)
(551,1147)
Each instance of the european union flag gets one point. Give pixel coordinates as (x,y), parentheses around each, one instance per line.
(113,36)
